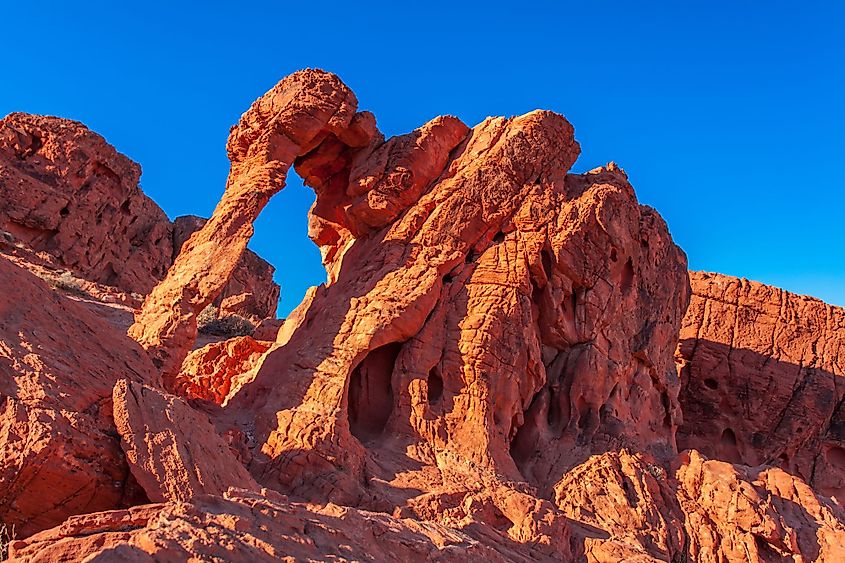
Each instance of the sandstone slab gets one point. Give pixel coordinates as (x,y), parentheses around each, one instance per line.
(59,451)
(172,450)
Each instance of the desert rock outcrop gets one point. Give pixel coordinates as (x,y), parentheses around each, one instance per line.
(763,379)
(629,508)
(252,527)
(298,114)
(508,317)
(218,370)
(66,192)
(250,291)
(487,373)
(173,451)
(59,452)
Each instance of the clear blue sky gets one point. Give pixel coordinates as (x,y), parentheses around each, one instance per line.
(727,116)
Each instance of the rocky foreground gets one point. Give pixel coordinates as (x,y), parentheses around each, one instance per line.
(508,362)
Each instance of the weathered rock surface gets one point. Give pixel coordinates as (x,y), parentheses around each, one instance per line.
(59,452)
(763,379)
(293,118)
(488,320)
(172,450)
(514,318)
(245,526)
(630,509)
(66,192)
(250,291)
(487,373)
(217,371)
(738,513)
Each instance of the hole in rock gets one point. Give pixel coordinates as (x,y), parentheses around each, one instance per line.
(525,439)
(371,393)
(471,256)
(627,276)
(64,212)
(447,279)
(499,237)
(435,385)
(613,255)
(281,238)
(729,448)
(836,456)
(711,383)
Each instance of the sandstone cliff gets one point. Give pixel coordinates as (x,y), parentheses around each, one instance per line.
(764,379)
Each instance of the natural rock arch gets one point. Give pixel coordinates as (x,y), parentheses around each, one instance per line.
(300,113)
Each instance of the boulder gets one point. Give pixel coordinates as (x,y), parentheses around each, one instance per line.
(65,191)
(172,450)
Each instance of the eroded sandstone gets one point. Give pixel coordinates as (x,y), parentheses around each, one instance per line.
(763,379)
(59,452)
(487,373)
(245,526)
(298,114)
(67,193)
(172,450)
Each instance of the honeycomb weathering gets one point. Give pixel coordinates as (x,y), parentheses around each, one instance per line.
(489,371)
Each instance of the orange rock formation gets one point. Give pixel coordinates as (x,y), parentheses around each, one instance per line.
(764,379)
(66,192)
(488,373)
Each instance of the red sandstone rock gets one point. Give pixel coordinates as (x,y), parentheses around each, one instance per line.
(630,509)
(59,452)
(737,513)
(250,527)
(625,508)
(764,380)
(299,113)
(173,451)
(268,330)
(494,333)
(217,371)
(66,191)
(250,291)
(513,319)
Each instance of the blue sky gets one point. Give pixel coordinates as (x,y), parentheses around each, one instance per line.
(727,116)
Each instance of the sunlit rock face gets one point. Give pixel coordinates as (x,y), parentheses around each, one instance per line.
(487,374)
(68,194)
(59,452)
